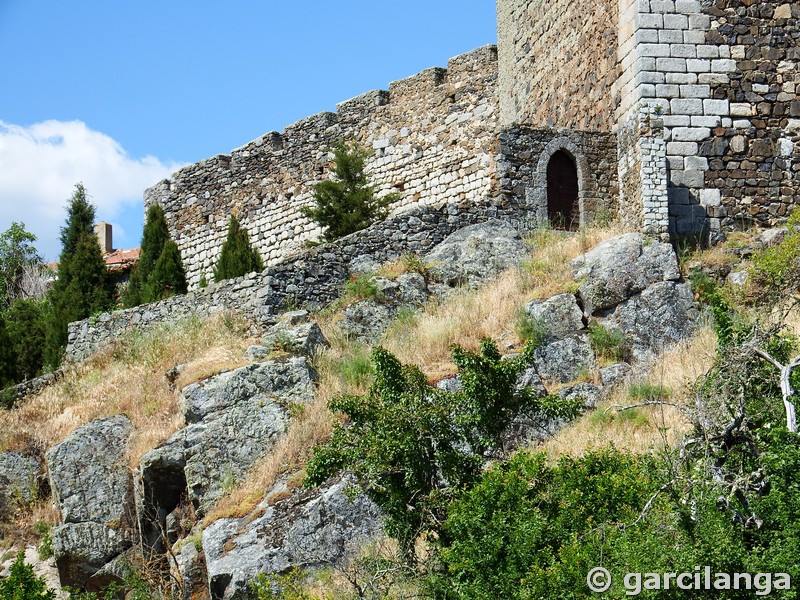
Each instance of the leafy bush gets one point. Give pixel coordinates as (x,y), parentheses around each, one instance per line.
(775,271)
(23,584)
(45,547)
(360,287)
(529,329)
(410,444)
(286,586)
(347,203)
(610,345)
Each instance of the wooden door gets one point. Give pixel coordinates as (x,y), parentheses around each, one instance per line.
(562,191)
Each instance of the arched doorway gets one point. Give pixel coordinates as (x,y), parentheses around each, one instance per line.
(562,191)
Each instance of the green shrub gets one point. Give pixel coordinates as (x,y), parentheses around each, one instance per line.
(23,584)
(237,256)
(410,443)
(775,271)
(356,367)
(529,329)
(644,391)
(45,547)
(360,287)
(609,345)
(284,586)
(347,203)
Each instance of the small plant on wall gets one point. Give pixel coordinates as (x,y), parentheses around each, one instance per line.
(347,203)
(238,257)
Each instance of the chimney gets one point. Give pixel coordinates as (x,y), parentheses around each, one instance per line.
(104,237)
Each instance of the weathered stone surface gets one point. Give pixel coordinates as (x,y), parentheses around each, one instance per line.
(413,289)
(82,549)
(366,320)
(661,315)
(310,529)
(565,359)
(303,338)
(620,267)
(587,393)
(234,418)
(559,315)
(189,573)
(19,479)
(89,476)
(92,486)
(615,374)
(476,253)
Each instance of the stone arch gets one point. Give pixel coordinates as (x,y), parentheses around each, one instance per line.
(568,147)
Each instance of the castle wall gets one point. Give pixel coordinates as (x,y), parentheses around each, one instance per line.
(434,141)
(311,278)
(720,77)
(754,156)
(558,63)
(522,169)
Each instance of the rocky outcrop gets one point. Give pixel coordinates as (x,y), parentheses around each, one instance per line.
(92,488)
(565,359)
(476,253)
(621,267)
(19,480)
(233,419)
(559,316)
(366,320)
(294,333)
(309,529)
(661,315)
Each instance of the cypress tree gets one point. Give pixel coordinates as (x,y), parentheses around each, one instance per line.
(144,286)
(168,276)
(26,327)
(347,203)
(7,366)
(237,257)
(83,286)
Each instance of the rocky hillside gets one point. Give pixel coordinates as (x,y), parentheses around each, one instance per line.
(176,458)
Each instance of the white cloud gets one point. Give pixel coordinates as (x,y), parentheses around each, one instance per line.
(40,165)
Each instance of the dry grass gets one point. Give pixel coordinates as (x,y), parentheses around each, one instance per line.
(425,339)
(645,429)
(130,379)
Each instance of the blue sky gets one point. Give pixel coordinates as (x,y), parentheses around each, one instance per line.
(119,94)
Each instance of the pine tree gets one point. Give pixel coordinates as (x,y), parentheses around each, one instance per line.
(83,286)
(347,203)
(144,286)
(237,257)
(168,276)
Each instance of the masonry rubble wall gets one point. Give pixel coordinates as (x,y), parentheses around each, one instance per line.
(721,76)
(312,278)
(522,168)
(434,140)
(558,63)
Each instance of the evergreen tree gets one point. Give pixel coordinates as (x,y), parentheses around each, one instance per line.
(83,286)
(26,327)
(144,285)
(7,375)
(237,257)
(167,277)
(347,203)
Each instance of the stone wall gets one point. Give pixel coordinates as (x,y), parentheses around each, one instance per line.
(721,76)
(433,136)
(558,63)
(522,168)
(754,157)
(311,278)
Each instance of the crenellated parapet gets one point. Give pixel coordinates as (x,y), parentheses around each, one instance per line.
(433,137)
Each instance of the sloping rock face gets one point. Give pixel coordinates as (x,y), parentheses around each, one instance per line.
(309,529)
(92,487)
(233,419)
(621,267)
(476,253)
(559,315)
(565,359)
(19,479)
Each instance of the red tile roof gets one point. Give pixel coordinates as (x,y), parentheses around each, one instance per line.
(121,260)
